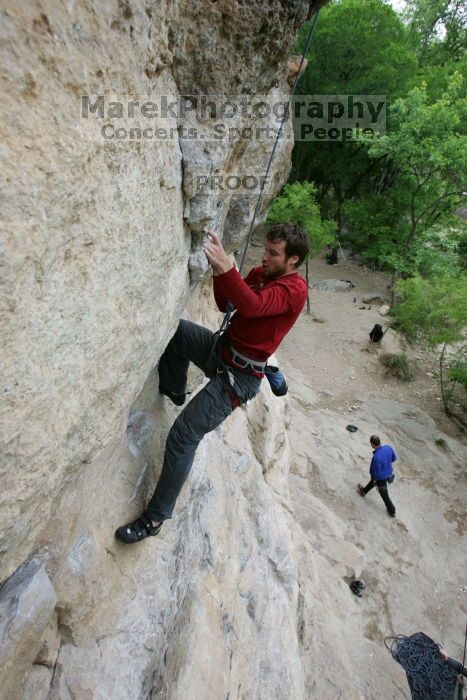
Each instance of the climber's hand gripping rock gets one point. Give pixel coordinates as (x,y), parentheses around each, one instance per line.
(216,255)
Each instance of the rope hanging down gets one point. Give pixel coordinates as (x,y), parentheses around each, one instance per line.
(230,307)
(278,136)
(465,645)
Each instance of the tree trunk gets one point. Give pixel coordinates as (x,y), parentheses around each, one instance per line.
(441,378)
(460,420)
(339,219)
(393,287)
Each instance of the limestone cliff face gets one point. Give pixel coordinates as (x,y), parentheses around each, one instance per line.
(100,259)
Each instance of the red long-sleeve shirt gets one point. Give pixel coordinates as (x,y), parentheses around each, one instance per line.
(266,309)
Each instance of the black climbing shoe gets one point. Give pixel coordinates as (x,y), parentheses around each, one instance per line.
(138,530)
(177,399)
(361,490)
(391,515)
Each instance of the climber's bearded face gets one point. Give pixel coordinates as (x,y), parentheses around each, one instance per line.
(275,263)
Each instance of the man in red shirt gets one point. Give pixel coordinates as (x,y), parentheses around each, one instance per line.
(267,304)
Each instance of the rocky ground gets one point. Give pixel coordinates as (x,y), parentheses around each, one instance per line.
(414,565)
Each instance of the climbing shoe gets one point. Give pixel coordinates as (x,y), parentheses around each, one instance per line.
(177,399)
(138,530)
(361,490)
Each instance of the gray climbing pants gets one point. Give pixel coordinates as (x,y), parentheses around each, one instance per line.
(208,409)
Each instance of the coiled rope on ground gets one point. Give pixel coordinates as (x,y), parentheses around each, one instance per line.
(428,674)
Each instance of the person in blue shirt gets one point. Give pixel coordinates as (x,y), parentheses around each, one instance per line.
(381,473)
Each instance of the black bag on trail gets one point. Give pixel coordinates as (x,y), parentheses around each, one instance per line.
(376,333)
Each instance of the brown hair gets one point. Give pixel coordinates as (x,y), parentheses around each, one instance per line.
(296,240)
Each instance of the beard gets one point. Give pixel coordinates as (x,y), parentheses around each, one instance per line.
(275,271)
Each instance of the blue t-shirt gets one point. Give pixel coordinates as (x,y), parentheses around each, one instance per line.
(381,463)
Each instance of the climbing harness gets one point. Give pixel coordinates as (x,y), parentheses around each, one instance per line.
(215,360)
(244,362)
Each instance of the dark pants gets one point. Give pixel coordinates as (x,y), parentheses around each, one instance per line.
(382,487)
(208,409)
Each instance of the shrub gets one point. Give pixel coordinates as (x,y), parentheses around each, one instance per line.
(400,366)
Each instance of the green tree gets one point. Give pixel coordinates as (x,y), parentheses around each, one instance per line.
(437,29)
(360,47)
(427,154)
(436,310)
(297,204)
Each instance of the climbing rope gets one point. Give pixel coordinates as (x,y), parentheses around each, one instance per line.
(428,674)
(465,645)
(230,307)
(278,136)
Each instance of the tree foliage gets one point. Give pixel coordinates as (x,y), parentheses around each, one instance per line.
(436,310)
(360,47)
(400,225)
(437,29)
(433,309)
(297,204)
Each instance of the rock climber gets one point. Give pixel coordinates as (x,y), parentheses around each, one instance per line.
(381,472)
(267,303)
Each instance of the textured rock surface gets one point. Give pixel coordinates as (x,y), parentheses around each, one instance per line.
(413,565)
(334,285)
(89,228)
(27,602)
(384,310)
(373,298)
(91,225)
(38,683)
(96,272)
